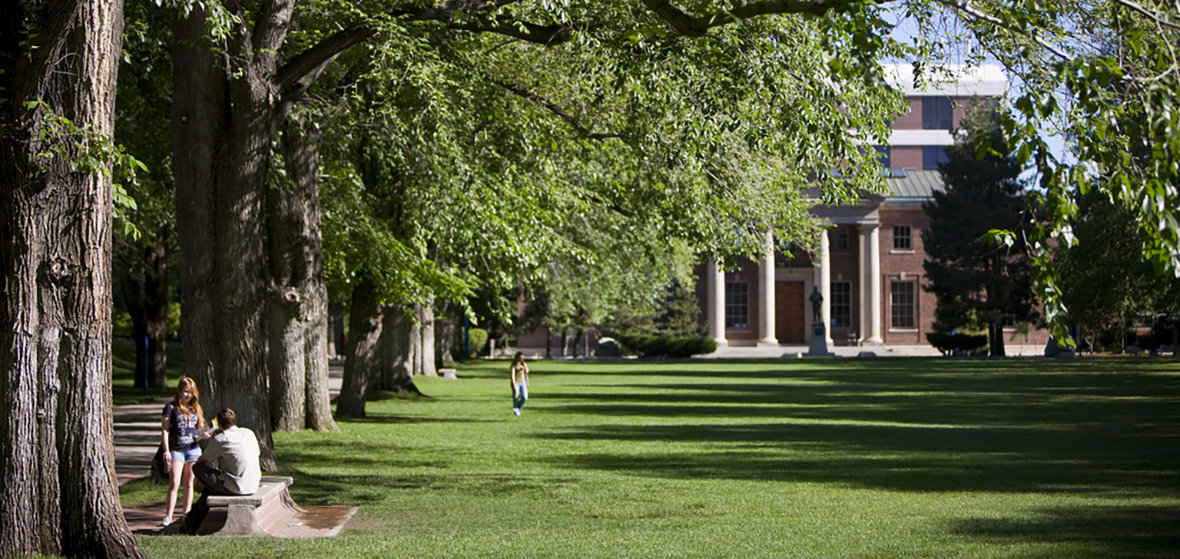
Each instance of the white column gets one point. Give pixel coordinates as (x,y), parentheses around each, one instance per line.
(825,284)
(862,265)
(766,293)
(715,305)
(873,282)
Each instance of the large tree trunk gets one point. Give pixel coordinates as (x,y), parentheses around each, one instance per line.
(397,366)
(57,489)
(155,287)
(426,364)
(222,124)
(446,339)
(996,339)
(147,303)
(363,363)
(298,303)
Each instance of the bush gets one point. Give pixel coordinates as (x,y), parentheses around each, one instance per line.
(608,347)
(647,345)
(477,338)
(949,344)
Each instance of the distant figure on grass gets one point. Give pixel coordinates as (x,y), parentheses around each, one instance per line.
(228,467)
(520,382)
(182,425)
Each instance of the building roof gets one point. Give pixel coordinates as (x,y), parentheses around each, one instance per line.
(985,80)
(914,183)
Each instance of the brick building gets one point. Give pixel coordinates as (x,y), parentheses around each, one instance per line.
(869,269)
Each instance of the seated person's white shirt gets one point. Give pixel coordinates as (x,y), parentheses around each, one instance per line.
(234,451)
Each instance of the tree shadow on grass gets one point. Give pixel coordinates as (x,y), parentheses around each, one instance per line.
(895,458)
(1113,531)
(898,429)
(365,472)
(394,418)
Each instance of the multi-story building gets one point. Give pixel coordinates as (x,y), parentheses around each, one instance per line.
(869,268)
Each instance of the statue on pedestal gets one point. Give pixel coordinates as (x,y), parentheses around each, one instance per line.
(817,300)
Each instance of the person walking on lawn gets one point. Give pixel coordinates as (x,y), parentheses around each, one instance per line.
(520,382)
(229,466)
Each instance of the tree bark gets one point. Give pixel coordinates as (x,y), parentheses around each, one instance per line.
(426,365)
(446,340)
(57,490)
(298,302)
(996,337)
(155,287)
(364,332)
(397,366)
(147,303)
(223,121)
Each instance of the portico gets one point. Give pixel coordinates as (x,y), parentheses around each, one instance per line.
(784,281)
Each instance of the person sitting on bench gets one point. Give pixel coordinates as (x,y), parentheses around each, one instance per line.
(228,466)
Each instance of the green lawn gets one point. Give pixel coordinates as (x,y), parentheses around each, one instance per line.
(800,458)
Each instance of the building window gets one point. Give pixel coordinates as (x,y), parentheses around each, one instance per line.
(840,241)
(902,238)
(901,304)
(932,157)
(841,304)
(737,305)
(884,156)
(937,113)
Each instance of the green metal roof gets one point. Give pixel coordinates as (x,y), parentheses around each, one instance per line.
(914,183)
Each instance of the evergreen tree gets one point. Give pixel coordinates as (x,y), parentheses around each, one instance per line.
(978,282)
(682,314)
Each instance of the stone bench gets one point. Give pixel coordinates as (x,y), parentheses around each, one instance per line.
(260,514)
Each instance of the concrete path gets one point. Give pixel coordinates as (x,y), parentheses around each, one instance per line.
(796,351)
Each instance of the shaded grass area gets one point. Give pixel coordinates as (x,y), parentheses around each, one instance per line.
(805,458)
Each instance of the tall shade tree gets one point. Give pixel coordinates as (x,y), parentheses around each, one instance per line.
(1106,281)
(978,282)
(1105,75)
(298,301)
(58,66)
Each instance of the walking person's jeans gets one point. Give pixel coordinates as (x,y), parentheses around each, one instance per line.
(522,395)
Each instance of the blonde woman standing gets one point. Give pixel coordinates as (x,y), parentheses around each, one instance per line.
(182,425)
(520,382)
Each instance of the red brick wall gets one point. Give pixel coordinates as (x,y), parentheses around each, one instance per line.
(903,265)
(905,157)
(911,120)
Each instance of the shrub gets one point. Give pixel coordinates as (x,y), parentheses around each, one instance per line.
(608,347)
(949,344)
(647,345)
(477,338)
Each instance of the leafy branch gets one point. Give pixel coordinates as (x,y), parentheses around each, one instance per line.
(85,151)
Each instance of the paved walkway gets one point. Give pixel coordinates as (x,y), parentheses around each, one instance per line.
(796,351)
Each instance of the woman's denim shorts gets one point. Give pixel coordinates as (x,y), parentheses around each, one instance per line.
(189,455)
